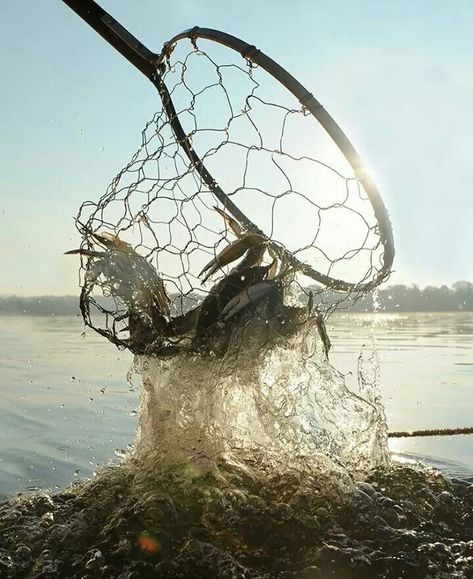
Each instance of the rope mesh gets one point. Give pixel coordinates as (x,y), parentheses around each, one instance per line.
(160,223)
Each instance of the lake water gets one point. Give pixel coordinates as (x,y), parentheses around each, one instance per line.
(66,406)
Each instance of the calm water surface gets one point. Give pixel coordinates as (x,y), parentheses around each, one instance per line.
(66,406)
(426,363)
(65,402)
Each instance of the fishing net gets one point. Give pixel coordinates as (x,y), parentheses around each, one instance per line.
(237,206)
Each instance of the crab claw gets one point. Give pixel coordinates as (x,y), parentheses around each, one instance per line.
(129,275)
(112,241)
(234,225)
(253,257)
(232,252)
(251,295)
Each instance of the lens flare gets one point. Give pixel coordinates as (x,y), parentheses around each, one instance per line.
(146,542)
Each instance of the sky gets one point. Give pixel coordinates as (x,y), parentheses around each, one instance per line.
(397,77)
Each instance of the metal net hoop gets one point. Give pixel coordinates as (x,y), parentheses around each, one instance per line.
(310,105)
(193,186)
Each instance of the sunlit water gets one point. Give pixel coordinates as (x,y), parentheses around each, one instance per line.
(252,465)
(67,407)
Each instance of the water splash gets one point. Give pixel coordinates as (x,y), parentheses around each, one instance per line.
(280,406)
(257,461)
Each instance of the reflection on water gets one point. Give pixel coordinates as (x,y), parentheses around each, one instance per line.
(66,405)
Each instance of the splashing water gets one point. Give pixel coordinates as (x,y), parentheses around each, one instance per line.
(254,462)
(279,407)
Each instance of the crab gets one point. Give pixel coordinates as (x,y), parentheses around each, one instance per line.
(249,282)
(127,275)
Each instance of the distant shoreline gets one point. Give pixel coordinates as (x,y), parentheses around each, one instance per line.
(392,299)
(346,312)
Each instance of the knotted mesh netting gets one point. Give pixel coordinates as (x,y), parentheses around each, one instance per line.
(237,205)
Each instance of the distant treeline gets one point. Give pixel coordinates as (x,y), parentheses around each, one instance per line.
(402,298)
(39,306)
(396,298)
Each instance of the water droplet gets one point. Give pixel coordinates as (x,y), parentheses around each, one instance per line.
(48,517)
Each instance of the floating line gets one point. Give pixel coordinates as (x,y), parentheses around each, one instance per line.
(434,432)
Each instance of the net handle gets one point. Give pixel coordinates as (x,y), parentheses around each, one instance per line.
(117,35)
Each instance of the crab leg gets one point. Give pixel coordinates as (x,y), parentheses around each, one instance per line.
(87,252)
(232,252)
(321,328)
(234,225)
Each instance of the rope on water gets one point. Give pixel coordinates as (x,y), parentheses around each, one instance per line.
(433,432)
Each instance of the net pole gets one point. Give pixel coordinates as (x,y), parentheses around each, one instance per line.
(117,35)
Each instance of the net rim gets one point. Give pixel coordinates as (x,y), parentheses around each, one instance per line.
(256,57)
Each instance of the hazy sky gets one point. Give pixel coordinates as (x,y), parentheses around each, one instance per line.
(397,76)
